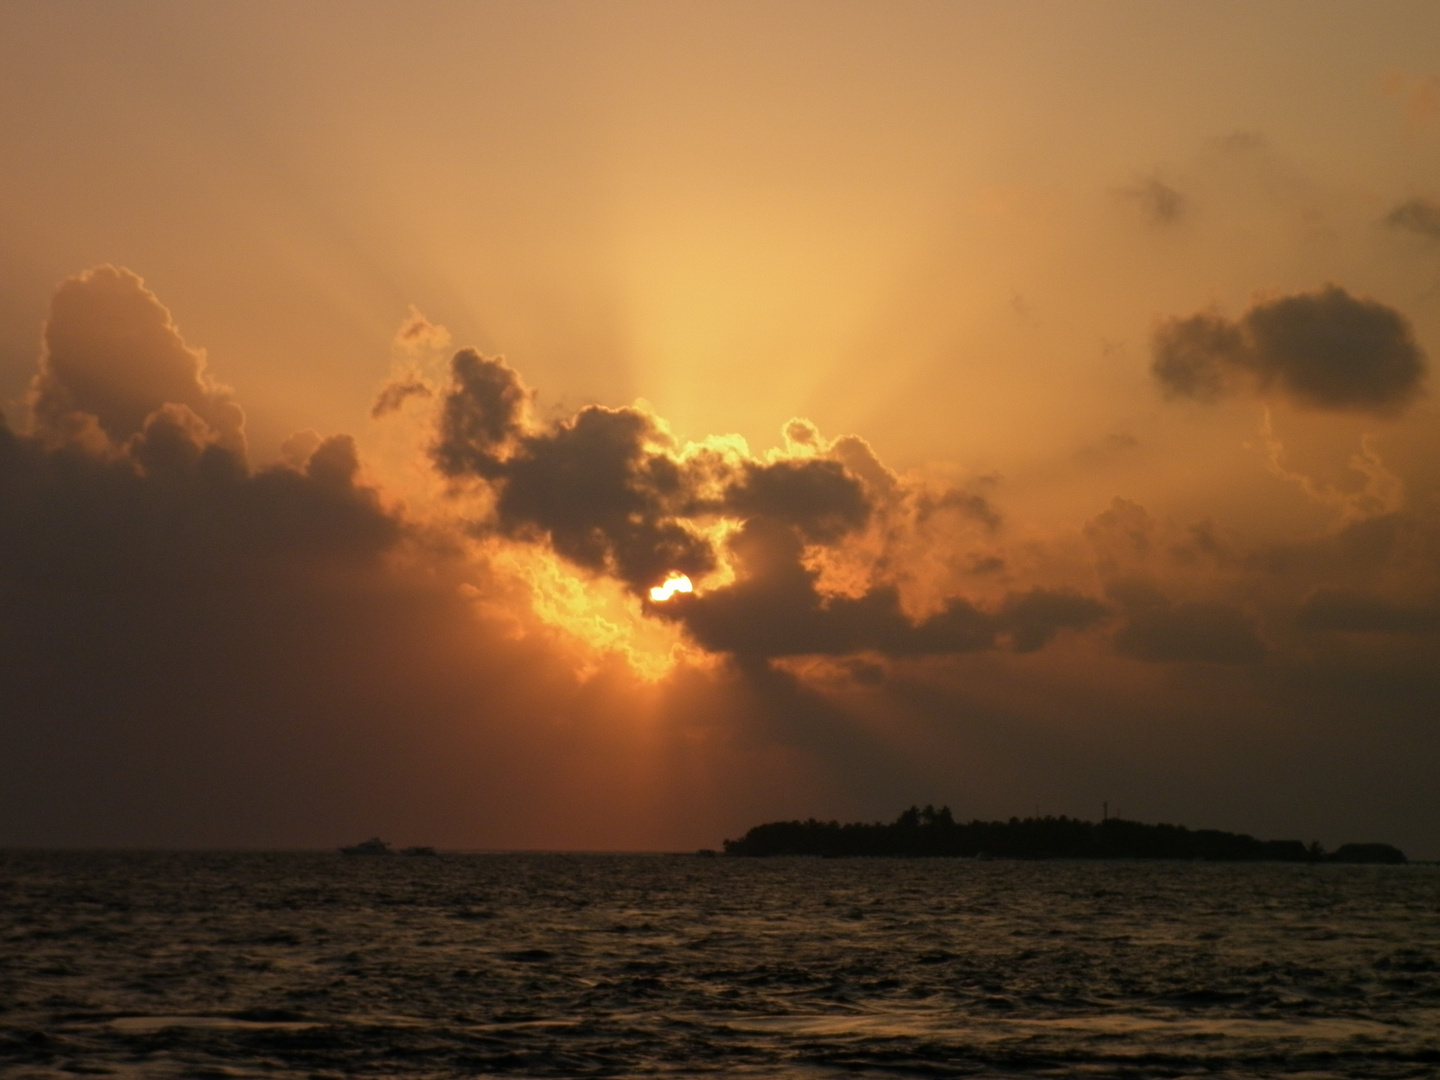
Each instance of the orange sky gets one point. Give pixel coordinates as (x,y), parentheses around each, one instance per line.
(1111,324)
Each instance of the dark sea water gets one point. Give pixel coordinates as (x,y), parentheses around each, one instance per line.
(315,965)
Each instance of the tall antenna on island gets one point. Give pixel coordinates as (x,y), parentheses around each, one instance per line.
(1105,811)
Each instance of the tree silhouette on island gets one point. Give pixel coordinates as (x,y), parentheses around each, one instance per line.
(930,832)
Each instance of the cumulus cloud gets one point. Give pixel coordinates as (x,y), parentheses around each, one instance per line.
(1202,631)
(177,492)
(610,491)
(195,651)
(113,356)
(774,608)
(1324,350)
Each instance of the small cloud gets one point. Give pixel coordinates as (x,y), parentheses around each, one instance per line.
(801,433)
(1324,350)
(394,394)
(113,356)
(1161,203)
(419,333)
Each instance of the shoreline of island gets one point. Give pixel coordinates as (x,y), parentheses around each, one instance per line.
(931,833)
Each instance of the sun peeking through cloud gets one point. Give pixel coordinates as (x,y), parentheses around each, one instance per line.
(617,501)
(673,584)
(600,620)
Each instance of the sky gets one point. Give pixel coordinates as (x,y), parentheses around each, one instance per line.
(1037,399)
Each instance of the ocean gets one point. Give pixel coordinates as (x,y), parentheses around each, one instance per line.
(317,965)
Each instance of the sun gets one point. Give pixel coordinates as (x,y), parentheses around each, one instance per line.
(673,584)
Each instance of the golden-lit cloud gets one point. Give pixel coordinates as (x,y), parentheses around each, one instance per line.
(610,491)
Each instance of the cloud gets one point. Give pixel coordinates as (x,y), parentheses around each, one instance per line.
(1381,493)
(775,608)
(1159,631)
(1198,356)
(610,491)
(194,651)
(972,504)
(395,393)
(1349,611)
(176,626)
(603,488)
(1418,216)
(1323,350)
(485,411)
(113,356)
(1161,203)
(821,499)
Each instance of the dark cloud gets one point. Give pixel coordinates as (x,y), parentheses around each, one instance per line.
(1198,356)
(775,608)
(603,488)
(180,508)
(1418,216)
(1161,203)
(113,356)
(1358,551)
(609,491)
(604,497)
(1325,350)
(1330,350)
(484,412)
(1033,618)
(819,498)
(1348,611)
(175,626)
(1159,631)
(195,652)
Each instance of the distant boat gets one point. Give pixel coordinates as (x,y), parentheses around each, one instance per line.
(427,851)
(373,846)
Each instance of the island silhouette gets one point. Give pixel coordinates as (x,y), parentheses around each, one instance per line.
(929,832)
